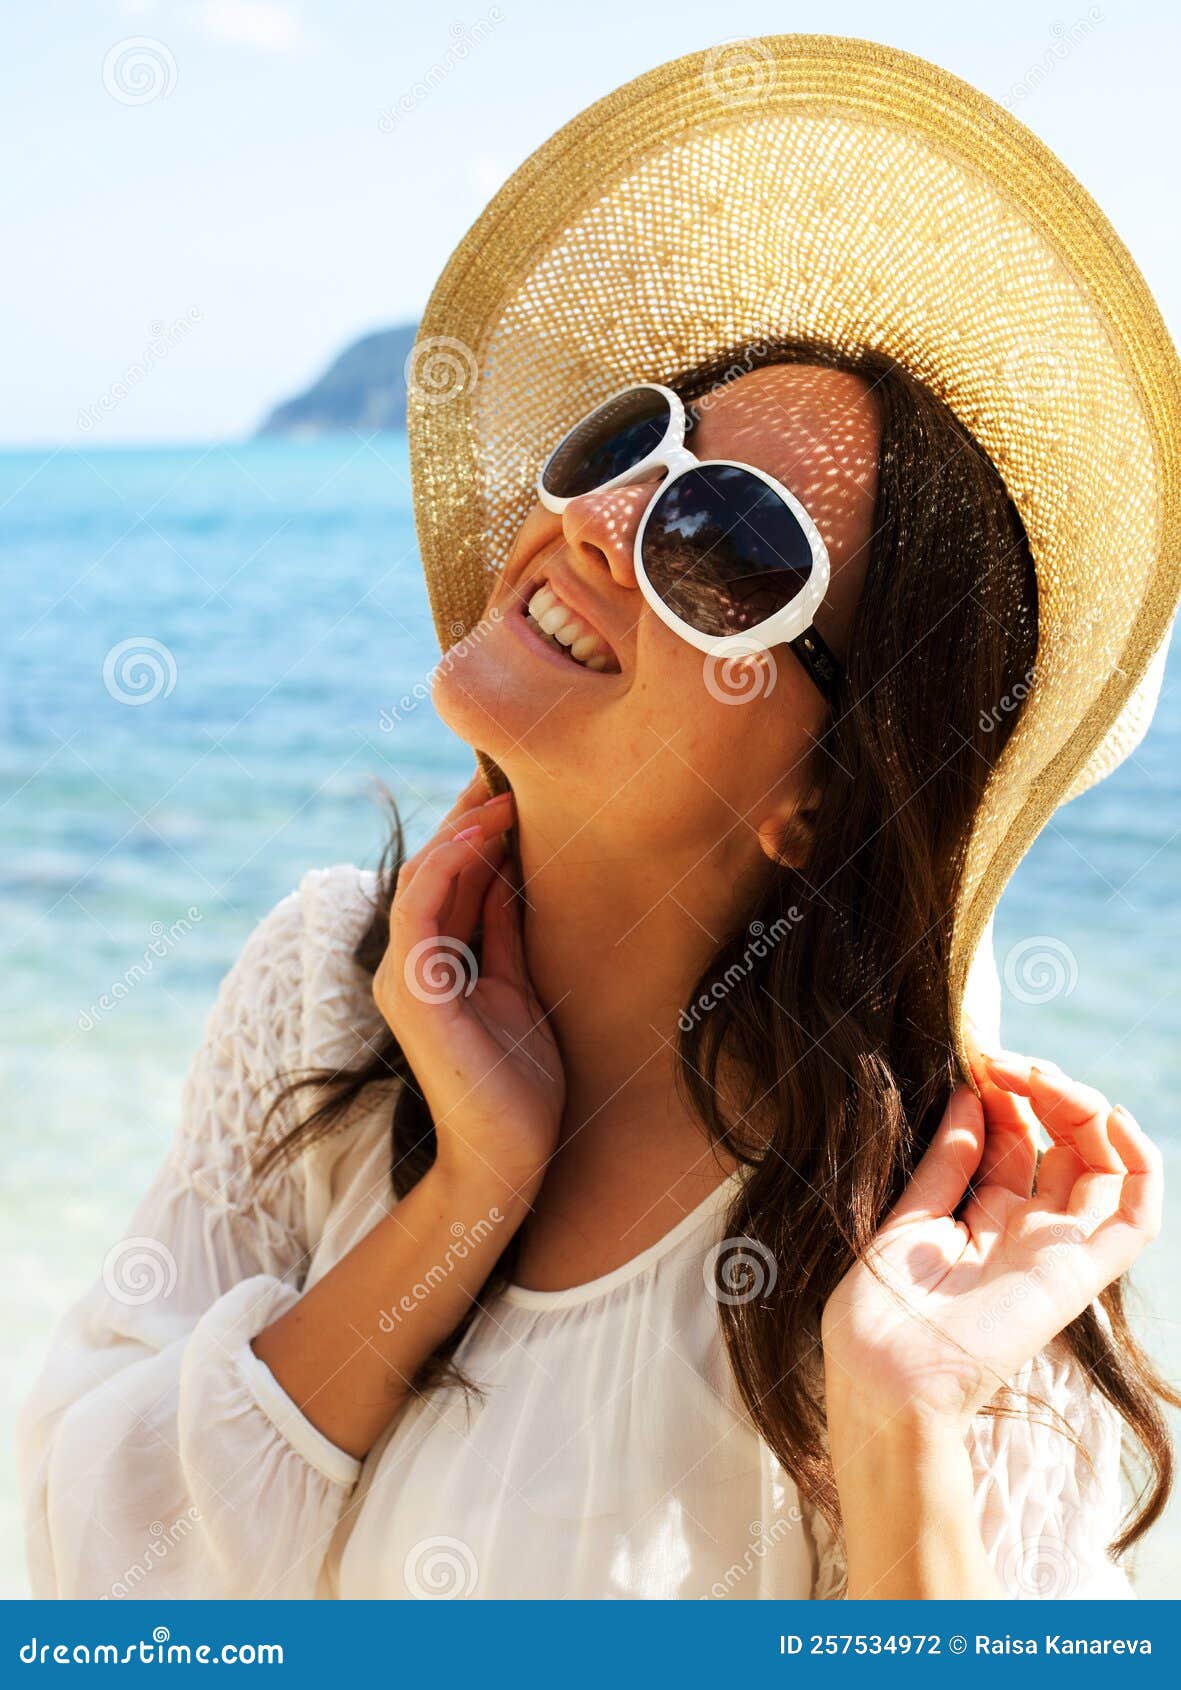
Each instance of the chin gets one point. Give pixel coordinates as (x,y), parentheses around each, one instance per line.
(467,708)
(484,699)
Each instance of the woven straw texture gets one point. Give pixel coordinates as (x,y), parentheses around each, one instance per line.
(832,188)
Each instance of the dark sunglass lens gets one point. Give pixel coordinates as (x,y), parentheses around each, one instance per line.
(723,550)
(612,440)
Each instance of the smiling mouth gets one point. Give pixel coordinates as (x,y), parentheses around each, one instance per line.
(554,622)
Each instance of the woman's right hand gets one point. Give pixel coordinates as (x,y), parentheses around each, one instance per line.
(478,1042)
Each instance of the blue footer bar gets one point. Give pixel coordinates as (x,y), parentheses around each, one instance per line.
(607,1645)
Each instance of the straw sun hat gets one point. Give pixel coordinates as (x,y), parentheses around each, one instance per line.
(813,186)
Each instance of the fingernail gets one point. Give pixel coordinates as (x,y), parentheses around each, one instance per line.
(1007,1062)
(1045,1070)
(470,833)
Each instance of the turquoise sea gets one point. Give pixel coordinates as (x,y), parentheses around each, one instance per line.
(200,649)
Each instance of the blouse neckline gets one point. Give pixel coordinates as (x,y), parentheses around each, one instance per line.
(520,1296)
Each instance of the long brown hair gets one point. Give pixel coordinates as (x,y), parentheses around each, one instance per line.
(840,1034)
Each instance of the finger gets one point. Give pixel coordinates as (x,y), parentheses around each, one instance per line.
(471,883)
(492,816)
(1115,1243)
(1058,1173)
(419,905)
(1094,1197)
(1072,1113)
(426,961)
(475,792)
(1010,1141)
(1011,1068)
(461,907)
(941,1179)
(1009,1073)
(1076,1115)
(972,1043)
(464,814)
(1142,1195)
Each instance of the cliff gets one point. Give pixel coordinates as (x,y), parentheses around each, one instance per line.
(363,389)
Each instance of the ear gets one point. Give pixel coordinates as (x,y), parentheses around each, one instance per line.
(785,833)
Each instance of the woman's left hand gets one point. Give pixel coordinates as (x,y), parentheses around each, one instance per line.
(959,1294)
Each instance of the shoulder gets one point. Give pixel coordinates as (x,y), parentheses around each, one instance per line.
(1047,1469)
(1052,1405)
(340,1018)
(296,998)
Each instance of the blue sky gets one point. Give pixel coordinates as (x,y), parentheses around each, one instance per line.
(264,201)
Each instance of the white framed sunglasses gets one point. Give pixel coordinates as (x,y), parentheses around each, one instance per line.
(725,555)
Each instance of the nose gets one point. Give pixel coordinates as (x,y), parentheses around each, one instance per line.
(600,528)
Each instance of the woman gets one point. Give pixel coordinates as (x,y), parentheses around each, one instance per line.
(692,1272)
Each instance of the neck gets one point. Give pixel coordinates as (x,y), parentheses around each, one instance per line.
(615,941)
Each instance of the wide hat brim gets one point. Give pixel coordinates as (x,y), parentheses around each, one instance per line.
(828,188)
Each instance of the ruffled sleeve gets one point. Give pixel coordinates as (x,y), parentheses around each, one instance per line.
(1048,1498)
(159,1457)
(1048,1493)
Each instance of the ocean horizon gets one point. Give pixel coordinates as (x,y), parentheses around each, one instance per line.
(214,658)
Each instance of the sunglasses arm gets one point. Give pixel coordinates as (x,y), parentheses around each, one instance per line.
(674,459)
(819,662)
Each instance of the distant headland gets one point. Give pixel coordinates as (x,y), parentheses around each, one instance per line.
(364,389)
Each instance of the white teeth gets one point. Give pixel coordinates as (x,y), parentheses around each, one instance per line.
(554,619)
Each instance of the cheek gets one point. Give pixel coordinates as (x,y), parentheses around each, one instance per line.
(473,687)
(742,727)
(718,701)
(743,745)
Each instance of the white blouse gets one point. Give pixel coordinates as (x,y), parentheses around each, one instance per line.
(607,1455)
